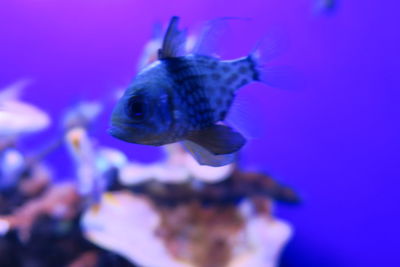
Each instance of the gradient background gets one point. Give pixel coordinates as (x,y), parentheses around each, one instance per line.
(336,140)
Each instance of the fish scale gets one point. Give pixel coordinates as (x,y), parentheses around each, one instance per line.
(222,79)
(188,83)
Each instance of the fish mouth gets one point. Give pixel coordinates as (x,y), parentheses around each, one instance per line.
(136,135)
(114,131)
(121,132)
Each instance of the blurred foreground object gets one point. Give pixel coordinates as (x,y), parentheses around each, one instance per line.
(127,225)
(208,217)
(116,212)
(187,234)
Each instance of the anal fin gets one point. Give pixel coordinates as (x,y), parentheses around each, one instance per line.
(214,146)
(205,157)
(218,139)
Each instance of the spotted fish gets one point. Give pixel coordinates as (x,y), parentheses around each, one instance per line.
(185,98)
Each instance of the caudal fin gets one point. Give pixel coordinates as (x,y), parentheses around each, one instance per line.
(284,77)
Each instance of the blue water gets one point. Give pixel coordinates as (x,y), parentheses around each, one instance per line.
(336,140)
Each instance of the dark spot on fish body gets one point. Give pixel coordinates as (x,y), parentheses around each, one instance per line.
(197,98)
(189,78)
(201,116)
(194,117)
(180,131)
(213,65)
(226,68)
(189,89)
(222,115)
(190,83)
(252,65)
(216,76)
(243,70)
(218,101)
(208,111)
(204,99)
(232,78)
(191,99)
(202,60)
(182,72)
(228,102)
(177,65)
(224,89)
(203,106)
(243,82)
(196,94)
(198,102)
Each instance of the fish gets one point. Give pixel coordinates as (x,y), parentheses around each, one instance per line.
(82,114)
(94,164)
(18,117)
(185,97)
(12,163)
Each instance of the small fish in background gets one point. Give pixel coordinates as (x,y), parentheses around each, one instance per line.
(94,164)
(18,117)
(185,98)
(81,149)
(12,163)
(150,50)
(91,161)
(82,114)
(326,7)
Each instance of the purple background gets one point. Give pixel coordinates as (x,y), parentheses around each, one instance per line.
(336,140)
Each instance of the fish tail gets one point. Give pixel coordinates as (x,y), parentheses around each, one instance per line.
(284,77)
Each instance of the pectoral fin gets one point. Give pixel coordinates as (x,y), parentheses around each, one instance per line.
(218,139)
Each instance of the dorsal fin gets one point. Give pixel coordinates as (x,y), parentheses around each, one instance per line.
(212,36)
(174,41)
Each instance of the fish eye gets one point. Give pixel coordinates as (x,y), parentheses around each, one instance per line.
(136,108)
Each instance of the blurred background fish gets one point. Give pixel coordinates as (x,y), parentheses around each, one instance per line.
(18,117)
(325,6)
